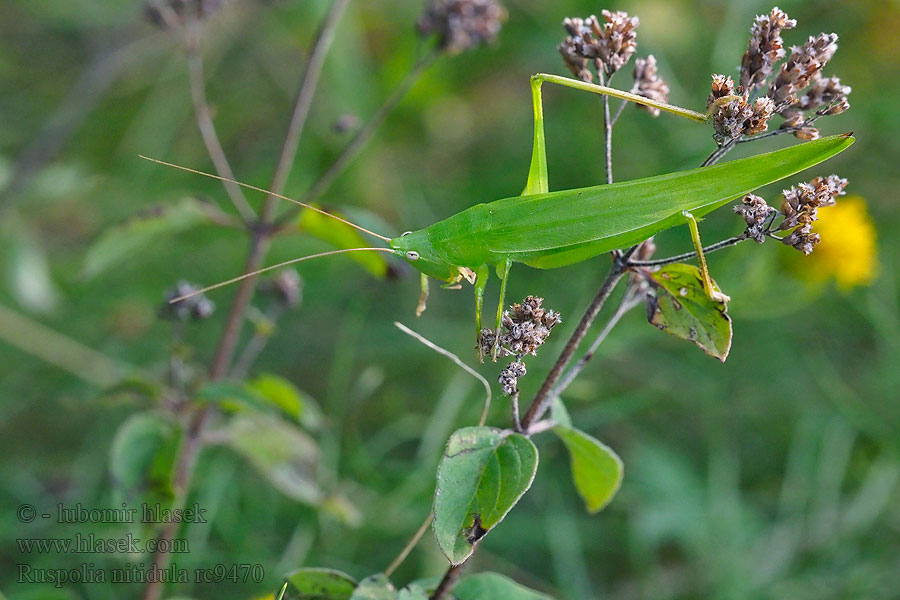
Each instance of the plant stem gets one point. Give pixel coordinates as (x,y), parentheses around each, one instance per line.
(305,94)
(623,104)
(360,139)
(542,399)
(679,257)
(447,582)
(259,246)
(410,545)
(718,153)
(207,128)
(629,301)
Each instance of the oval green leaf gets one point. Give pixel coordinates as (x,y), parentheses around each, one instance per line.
(483,473)
(318,584)
(682,307)
(596,470)
(493,586)
(375,587)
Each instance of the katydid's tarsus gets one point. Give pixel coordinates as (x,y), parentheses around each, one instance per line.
(546,230)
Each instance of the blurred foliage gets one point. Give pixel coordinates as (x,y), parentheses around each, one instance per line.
(772,475)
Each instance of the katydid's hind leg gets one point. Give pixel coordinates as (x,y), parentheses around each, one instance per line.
(538,182)
(711,290)
(481,279)
(503,272)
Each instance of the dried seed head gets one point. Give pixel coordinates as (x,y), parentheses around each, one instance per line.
(730,120)
(286,286)
(523,328)
(509,377)
(649,84)
(576,48)
(755,212)
(803,239)
(823,91)
(802,201)
(761,112)
(721,86)
(617,40)
(803,65)
(195,308)
(462,24)
(765,48)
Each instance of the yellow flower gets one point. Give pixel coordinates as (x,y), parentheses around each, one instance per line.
(847,250)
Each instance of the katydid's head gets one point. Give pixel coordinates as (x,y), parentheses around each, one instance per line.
(416,249)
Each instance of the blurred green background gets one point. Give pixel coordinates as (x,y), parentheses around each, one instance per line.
(772,476)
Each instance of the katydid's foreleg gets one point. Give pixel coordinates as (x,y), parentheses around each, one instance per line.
(711,290)
(503,273)
(481,279)
(423,297)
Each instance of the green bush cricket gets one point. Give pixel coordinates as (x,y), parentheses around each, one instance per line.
(546,230)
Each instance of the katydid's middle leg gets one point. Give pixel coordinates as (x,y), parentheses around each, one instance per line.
(711,290)
(503,273)
(481,279)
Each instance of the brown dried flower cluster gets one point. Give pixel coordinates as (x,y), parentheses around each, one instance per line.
(756,213)
(649,84)
(286,287)
(765,48)
(801,71)
(170,14)
(509,377)
(523,328)
(800,207)
(195,308)
(608,45)
(462,24)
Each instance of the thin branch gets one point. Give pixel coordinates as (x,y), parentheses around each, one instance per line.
(623,104)
(423,528)
(718,153)
(447,581)
(629,301)
(304,98)
(460,363)
(361,138)
(688,255)
(542,399)
(207,128)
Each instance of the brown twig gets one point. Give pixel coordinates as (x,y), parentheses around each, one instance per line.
(447,582)
(259,246)
(542,399)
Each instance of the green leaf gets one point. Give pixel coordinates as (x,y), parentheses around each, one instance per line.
(342,236)
(319,584)
(596,469)
(483,473)
(375,587)
(493,586)
(140,231)
(413,592)
(283,394)
(283,454)
(681,307)
(142,458)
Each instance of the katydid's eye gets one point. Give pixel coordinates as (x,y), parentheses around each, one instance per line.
(412,255)
(405,233)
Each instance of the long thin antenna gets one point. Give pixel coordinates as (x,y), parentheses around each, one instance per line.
(278,266)
(264,191)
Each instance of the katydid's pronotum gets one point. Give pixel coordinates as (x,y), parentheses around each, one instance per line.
(545,230)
